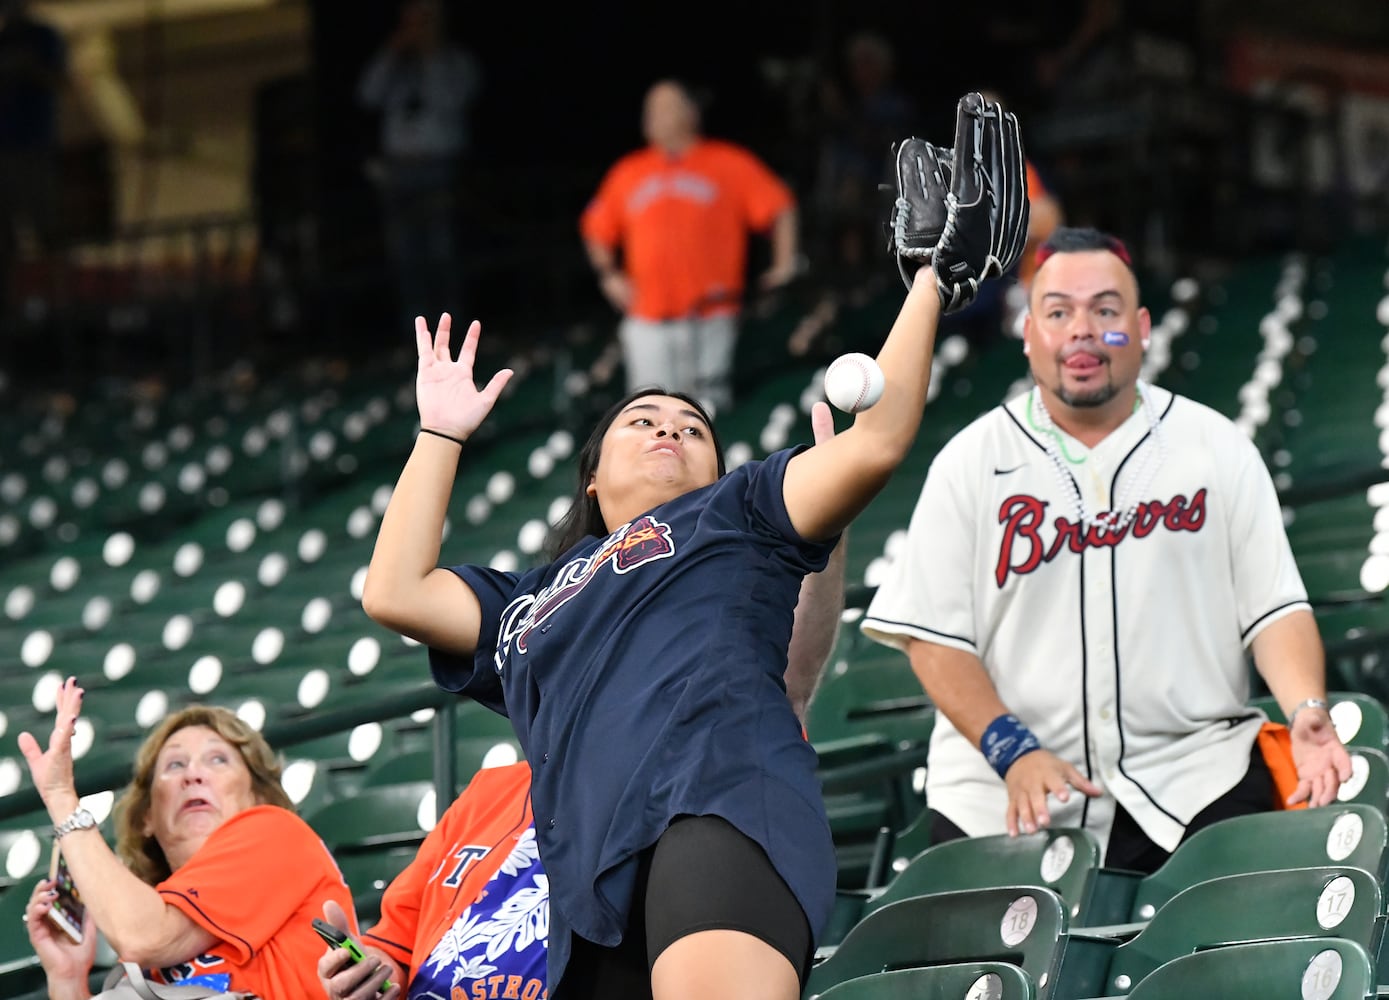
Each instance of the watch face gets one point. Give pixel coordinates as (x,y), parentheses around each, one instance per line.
(80,820)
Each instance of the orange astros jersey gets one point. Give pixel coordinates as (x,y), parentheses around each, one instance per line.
(257,883)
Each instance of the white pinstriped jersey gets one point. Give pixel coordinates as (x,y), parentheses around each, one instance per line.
(1123,652)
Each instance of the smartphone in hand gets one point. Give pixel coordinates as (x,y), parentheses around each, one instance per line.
(337,939)
(68,910)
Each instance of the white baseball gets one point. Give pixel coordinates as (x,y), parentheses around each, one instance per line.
(854,382)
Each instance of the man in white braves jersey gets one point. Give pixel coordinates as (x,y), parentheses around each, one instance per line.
(1085,568)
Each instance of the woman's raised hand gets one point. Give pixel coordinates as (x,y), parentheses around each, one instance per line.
(448,399)
(51,767)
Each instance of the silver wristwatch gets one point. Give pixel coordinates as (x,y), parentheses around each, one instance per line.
(1307,703)
(79,820)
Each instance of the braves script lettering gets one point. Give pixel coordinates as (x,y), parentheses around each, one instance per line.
(634,544)
(1023,549)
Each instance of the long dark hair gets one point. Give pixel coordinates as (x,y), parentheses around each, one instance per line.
(584,517)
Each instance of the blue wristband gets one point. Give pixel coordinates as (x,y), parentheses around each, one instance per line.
(1005,740)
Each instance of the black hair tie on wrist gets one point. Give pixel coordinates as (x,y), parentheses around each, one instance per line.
(441,434)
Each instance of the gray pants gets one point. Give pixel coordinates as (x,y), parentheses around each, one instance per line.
(684,355)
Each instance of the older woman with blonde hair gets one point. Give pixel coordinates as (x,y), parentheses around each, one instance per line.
(216,880)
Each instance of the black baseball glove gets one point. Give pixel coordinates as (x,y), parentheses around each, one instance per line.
(919,213)
(963,210)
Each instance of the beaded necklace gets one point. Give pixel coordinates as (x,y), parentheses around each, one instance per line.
(1135,487)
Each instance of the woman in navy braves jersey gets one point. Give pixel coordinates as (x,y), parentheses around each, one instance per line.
(675,801)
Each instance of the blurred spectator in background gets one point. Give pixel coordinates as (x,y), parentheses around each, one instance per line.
(421,83)
(33,67)
(1044,218)
(860,127)
(678,214)
(1087,62)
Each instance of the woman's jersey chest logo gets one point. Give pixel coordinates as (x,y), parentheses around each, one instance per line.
(635,544)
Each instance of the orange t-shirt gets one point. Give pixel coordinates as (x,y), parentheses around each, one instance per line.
(257,883)
(1035,189)
(682,223)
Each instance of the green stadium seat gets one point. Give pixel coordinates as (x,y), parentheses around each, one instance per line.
(910,841)
(1369,780)
(964,981)
(869,704)
(877,696)
(1256,906)
(19,966)
(1024,926)
(1352,835)
(37,820)
(1320,968)
(1063,860)
(17,691)
(24,854)
(471,754)
(130,712)
(386,815)
(368,873)
(868,787)
(373,835)
(275,687)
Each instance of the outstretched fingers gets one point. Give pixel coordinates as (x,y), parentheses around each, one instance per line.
(46,765)
(29,748)
(495,385)
(424,343)
(69,705)
(468,354)
(441,338)
(70,698)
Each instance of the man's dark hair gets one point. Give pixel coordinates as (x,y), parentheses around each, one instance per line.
(1077,239)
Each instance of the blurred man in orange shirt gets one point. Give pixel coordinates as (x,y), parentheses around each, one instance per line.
(1043,218)
(667,234)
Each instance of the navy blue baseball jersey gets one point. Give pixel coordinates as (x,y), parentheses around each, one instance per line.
(643,675)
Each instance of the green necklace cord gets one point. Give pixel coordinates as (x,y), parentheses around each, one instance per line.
(1056,434)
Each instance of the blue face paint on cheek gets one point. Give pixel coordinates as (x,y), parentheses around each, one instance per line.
(1115,338)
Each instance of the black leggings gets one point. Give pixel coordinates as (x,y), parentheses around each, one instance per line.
(703,874)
